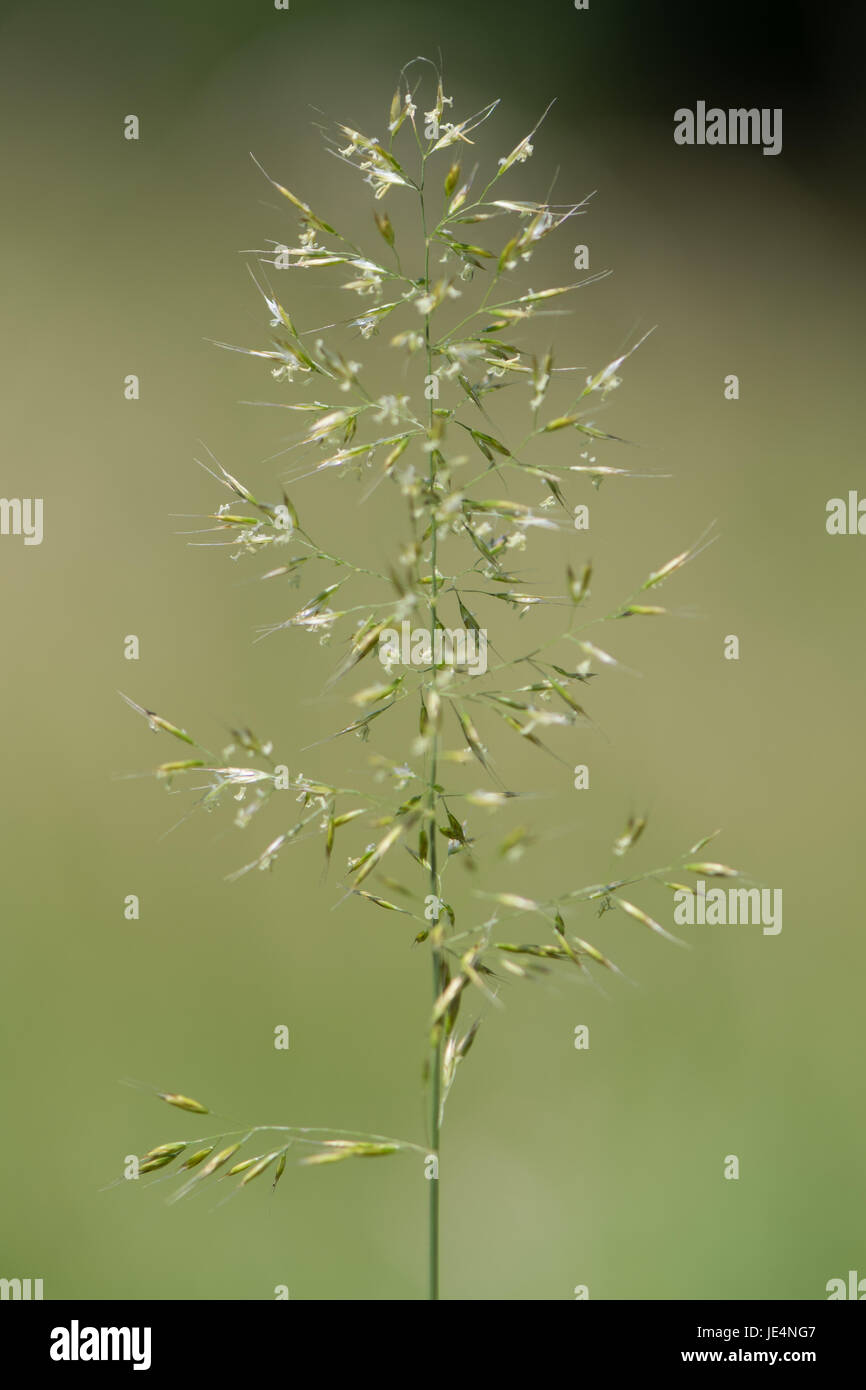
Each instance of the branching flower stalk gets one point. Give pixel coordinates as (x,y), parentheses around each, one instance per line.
(467,362)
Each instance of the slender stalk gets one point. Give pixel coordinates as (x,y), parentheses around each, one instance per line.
(435,936)
(433,1216)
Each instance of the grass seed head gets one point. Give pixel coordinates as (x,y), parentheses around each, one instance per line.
(163,1150)
(198,1157)
(184,1103)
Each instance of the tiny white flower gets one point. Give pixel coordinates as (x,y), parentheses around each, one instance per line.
(368,283)
(432,117)
(518,155)
(390,408)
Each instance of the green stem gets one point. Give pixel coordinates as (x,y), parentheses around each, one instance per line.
(433,1213)
(437,958)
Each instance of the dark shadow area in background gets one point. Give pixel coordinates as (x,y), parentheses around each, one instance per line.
(646,57)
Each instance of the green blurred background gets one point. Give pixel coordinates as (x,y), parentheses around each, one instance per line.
(559,1167)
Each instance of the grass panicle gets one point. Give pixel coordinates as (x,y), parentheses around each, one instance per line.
(461,325)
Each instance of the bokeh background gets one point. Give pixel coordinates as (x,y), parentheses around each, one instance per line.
(560,1167)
